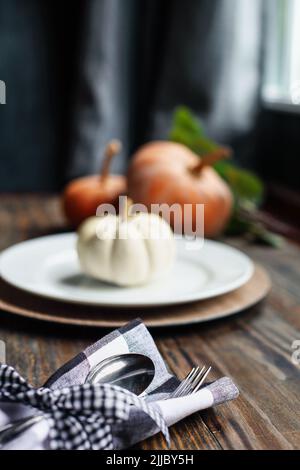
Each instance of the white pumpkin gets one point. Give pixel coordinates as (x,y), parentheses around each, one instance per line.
(127,252)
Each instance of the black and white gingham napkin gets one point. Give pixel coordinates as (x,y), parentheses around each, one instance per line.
(139,421)
(64,389)
(79,417)
(132,338)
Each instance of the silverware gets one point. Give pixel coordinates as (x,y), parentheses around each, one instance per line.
(192,383)
(133,372)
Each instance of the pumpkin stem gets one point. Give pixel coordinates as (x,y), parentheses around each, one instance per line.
(113,148)
(221,153)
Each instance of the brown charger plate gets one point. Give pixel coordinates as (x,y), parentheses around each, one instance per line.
(17,302)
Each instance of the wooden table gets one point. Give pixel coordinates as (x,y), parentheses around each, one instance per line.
(254,348)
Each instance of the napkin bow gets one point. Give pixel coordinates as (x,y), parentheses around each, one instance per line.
(80,417)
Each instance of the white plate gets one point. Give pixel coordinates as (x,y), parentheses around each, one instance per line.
(49,267)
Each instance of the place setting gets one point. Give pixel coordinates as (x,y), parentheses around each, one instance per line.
(113,395)
(131,258)
(149,230)
(118,265)
(197,288)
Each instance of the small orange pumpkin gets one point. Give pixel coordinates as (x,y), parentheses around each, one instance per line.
(169,173)
(82,196)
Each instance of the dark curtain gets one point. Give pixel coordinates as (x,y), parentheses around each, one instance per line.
(38,48)
(151,56)
(80,73)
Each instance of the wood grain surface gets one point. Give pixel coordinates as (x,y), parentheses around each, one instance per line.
(254,348)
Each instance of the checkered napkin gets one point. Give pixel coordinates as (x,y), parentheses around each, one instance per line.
(132,338)
(80,417)
(103,416)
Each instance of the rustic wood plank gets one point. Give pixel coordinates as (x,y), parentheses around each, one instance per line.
(253,348)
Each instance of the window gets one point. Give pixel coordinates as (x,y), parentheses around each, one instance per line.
(281,88)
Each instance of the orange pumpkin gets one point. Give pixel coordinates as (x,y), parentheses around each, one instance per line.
(82,196)
(170,173)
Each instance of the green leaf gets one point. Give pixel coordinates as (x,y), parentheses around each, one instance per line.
(188,130)
(245,185)
(184,118)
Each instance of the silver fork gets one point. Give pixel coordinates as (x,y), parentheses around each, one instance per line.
(192,382)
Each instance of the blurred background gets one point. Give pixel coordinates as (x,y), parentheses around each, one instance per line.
(79,73)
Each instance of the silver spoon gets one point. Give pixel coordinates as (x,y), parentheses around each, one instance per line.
(133,372)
